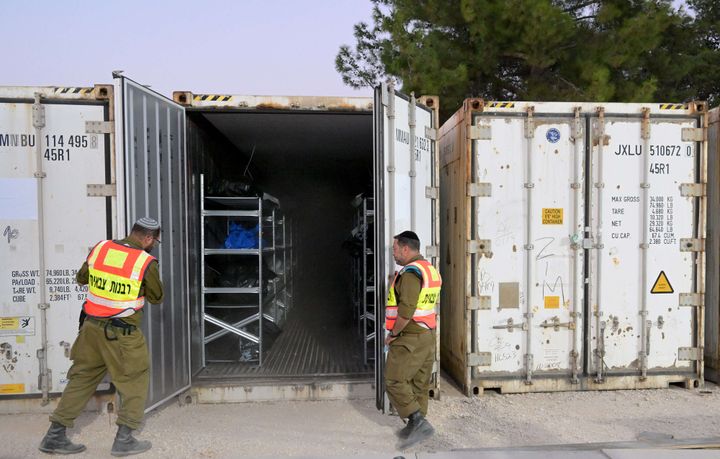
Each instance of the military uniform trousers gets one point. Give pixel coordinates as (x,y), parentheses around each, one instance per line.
(408,370)
(97,350)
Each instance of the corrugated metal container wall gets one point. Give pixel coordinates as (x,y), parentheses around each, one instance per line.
(712,292)
(57,166)
(155,185)
(572,245)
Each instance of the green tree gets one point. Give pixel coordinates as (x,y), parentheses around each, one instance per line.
(584,50)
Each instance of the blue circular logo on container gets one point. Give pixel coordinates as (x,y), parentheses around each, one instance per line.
(553,135)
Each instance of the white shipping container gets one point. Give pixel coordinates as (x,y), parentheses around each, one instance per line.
(36,339)
(314,152)
(573,245)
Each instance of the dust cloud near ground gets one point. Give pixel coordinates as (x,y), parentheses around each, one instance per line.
(347,428)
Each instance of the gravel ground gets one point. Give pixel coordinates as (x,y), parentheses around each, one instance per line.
(339,428)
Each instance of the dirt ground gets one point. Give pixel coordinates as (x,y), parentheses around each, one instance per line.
(345,428)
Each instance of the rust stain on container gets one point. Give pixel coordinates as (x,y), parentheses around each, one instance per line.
(272,106)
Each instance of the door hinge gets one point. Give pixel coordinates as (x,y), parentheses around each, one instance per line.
(432,251)
(479,359)
(480,133)
(475,303)
(690,353)
(38,113)
(432,192)
(691,300)
(99,127)
(692,245)
(480,246)
(479,190)
(101,189)
(430,133)
(694,134)
(645,127)
(530,123)
(692,190)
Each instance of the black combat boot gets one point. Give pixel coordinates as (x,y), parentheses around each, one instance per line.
(405,431)
(56,442)
(419,429)
(126,445)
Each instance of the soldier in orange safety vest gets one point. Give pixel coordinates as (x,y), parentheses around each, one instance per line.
(121,276)
(411,318)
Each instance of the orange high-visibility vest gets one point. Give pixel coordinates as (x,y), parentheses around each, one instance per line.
(425,313)
(116,274)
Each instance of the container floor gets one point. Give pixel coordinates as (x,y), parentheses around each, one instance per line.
(301,351)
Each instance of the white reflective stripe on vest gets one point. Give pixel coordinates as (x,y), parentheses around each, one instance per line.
(134,304)
(391,312)
(424,312)
(139,263)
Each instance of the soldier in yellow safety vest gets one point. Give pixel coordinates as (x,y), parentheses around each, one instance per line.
(410,318)
(120,276)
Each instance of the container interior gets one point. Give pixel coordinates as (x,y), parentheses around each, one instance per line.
(314,164)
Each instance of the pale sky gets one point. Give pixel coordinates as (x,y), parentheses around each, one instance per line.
(250,47)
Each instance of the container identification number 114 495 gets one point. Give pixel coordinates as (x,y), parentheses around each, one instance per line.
(58,146)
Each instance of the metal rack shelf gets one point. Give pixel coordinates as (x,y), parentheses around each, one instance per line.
(271,299)
(237,251)
(364,298)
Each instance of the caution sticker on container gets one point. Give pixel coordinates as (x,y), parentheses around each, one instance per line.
(13,326)
(662,284)
(552,216)
(552,302)
(12,389)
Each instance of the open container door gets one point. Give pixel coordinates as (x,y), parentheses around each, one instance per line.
(153,136)
(406,197)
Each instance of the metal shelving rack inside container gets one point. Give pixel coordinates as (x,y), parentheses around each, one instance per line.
(364,277)
(265,211)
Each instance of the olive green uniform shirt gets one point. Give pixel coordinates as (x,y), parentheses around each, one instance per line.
(407,292)
(151,287)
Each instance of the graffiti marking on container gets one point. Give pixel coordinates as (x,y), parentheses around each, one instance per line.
(486,283)
(541,254)
(10,233)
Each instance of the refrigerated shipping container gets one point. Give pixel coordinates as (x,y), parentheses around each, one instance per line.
(572,241)
(316,155)
(102,157)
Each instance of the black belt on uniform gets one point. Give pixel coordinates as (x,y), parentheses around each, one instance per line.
(126,328)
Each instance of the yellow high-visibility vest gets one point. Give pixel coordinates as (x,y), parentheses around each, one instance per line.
(115,276)
(425,314)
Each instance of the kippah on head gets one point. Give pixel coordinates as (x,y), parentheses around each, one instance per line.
(148,223)
(408,235)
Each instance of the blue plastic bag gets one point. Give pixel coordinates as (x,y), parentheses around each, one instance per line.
(240,237)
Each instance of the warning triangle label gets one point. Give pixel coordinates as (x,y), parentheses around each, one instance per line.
(662,284)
